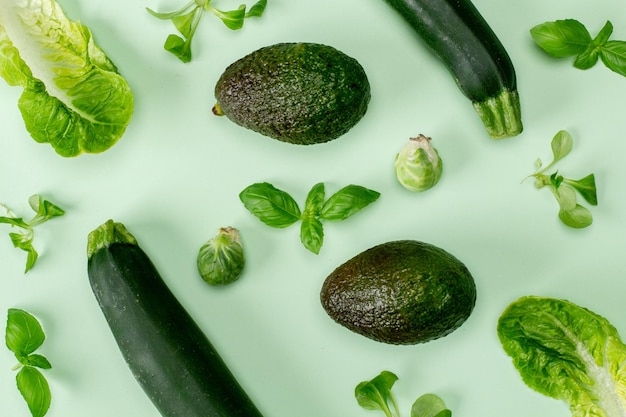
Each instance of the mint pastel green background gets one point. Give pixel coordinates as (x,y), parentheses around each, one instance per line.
(174,179)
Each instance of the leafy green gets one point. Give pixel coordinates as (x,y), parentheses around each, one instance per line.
(187,18)
(376,394)
(566,352)
(277,208)
(23,336)
(221,259)
(44,211)
(73,98)
(564,189)
(570,38)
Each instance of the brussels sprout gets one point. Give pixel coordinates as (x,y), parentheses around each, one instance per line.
(418,166)
(221,259)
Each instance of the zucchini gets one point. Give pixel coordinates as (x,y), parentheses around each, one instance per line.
(460,37)
(171,358)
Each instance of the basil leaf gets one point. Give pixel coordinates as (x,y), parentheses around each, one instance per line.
(312,234)
(613,55)
(314,200)
(35,390)
(347,201)
(23,332)
(272,206)
(38,361)
(429,405)
(579,217)
(586,187)
(561,38)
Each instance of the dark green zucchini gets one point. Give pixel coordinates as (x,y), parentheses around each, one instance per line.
(171,358)
(460,37)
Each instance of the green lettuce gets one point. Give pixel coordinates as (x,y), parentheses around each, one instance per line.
(568,353)
(73,98)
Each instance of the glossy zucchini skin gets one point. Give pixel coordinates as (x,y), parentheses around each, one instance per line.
(459,36)
(169,355)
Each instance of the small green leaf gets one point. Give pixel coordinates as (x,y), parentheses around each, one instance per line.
(605,33)
(184,23)
(179,47)
(170,15)
(566,197)
(257,9)
(314,201)
(588,58)
(376,394)
(586,187)
(15,221)
(562,144)
(312,234)
(579,217)
(38,361)
(272,206)
(23,332)
(561,38)
(613,55)
(35,390)
(347,201)
(233,19)
(429,405)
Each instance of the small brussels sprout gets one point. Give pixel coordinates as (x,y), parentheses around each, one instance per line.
(221,259)
(418,166)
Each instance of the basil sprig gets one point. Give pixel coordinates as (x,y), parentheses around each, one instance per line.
(278,209)
(24,335)
(44,211)
(376,394)
(564,189)
(570,38)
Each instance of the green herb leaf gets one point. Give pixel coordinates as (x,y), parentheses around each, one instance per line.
(233,19)
(44,211)
(38,361)
(257,9)
(562,144)
(347,201)
(586,187)
(312,234)
(23,334)
(277,208)
(613,55)
(376,394)
(35,390)
(187,18)
(429,405)
(579,217)
(564,189)
(589,57)
(562,38)
(272,206)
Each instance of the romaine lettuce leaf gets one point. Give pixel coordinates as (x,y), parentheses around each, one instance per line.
(567,352)
(74,98)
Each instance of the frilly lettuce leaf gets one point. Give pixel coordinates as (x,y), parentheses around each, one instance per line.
(568,353)
(74,98)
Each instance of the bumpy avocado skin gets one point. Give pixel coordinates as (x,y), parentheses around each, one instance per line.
(302,93)
(402,292)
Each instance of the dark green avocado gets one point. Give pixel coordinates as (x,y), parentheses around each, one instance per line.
(402,292)
(302,93)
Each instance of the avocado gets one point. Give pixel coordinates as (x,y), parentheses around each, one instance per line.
(401,292)
(301,93)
